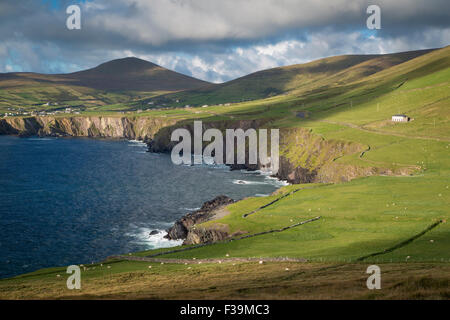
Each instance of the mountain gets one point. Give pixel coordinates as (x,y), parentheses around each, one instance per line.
(133,74)
(297,78)
(119,82)
(115,81)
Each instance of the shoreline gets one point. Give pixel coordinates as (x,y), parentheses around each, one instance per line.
(219,211)
(142,144)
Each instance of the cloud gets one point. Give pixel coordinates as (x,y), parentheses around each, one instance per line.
(160,23)
(239,61)
(210,39)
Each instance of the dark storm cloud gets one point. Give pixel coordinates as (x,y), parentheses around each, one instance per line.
(216,40)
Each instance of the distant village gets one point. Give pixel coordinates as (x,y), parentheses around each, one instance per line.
(155,105)
(151,105)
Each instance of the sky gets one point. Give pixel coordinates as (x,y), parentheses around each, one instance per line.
(209,39)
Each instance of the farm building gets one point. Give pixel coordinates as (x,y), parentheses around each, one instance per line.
(400,118)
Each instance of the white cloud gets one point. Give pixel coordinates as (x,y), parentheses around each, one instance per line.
(211,39)
(237,62)
(161,22)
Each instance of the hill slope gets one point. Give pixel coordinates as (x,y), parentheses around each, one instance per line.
(133,74)
(390,215)
(296,78)
(111,82)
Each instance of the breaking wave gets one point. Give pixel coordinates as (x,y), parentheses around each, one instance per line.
(142,237)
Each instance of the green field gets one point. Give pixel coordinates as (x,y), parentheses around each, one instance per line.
(376,214)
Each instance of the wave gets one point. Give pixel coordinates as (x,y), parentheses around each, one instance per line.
(268,175)
(268,180)
(136,143)
(191,209)
(276,181)
(248,182)
(142,237)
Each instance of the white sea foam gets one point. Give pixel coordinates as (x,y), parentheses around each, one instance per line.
(191,209)
(142,236)
(136,143)
(268,175)
(276,181)
(267,180)
(248,182)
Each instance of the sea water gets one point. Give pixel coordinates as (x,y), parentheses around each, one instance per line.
(70,201)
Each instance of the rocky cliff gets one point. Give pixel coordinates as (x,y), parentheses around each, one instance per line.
(139,128)
(161,142)
(184,228)
(304,156)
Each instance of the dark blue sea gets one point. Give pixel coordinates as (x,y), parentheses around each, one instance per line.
(70,201)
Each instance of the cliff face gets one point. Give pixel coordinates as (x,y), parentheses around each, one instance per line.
(140,128)
(184,227)
(304,156)
(161,142)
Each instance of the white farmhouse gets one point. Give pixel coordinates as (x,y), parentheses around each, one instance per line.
(400,118)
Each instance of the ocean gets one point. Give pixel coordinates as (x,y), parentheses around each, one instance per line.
(72,200)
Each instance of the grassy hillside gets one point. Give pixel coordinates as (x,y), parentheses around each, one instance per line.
(399,222)
(300,78)
(280,280)
(133,74)
(370,214)
(117,81)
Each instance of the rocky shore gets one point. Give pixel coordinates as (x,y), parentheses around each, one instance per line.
(304,157)
(184,228)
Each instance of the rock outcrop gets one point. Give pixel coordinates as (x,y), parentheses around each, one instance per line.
(207,235)
(182,226)
(139,128)
(304,157)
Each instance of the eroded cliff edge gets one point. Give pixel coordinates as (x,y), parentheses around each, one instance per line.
(184,228)
(138,128)
(305,157)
